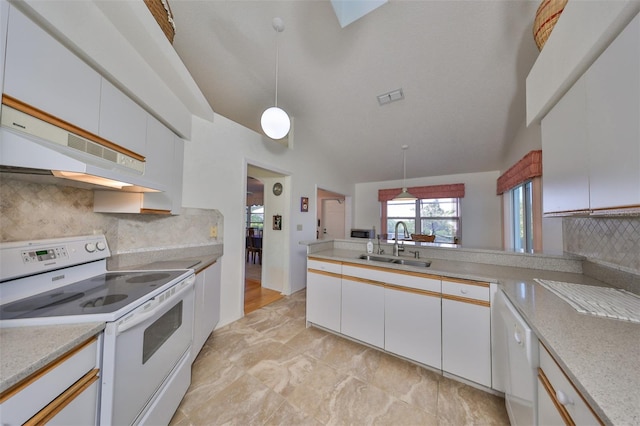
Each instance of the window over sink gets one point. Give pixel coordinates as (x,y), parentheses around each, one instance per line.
(428,216)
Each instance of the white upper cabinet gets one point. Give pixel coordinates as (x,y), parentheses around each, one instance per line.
(122,121)
(613,111)
(164,165)
(591,137)
(160,164)
(42,73)
(565,155)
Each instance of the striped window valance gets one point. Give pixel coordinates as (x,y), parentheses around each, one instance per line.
(455,190)
(528,167)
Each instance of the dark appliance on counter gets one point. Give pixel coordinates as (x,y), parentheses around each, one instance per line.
(363,233)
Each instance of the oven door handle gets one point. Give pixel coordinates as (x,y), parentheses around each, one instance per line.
(150,308)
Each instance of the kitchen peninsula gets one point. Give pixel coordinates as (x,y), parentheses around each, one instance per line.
(599,355)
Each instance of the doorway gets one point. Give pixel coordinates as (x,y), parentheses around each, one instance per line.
(331,215)
(257,295)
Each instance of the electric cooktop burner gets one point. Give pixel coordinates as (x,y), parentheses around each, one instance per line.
(103,293)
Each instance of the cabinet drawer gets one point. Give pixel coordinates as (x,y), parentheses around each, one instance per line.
(24,400)
(400,278)
(563,391)
(467,289)
(325,266)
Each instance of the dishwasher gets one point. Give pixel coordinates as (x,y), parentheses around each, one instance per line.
(520,366)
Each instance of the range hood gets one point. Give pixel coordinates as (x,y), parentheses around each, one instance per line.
(31,146)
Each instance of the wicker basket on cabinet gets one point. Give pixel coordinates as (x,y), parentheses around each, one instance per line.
(161,11)
(546,17)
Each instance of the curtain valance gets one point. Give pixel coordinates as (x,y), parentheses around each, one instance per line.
(528,167)
(455,190)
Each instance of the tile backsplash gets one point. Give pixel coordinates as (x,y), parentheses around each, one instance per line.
(35,211)
(611,241)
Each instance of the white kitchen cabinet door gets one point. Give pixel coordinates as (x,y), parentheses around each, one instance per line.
(44,74)
(207,306)
(122,121)
(613,110)
(466,330)
(412,325)
(212,285)
(548,414)
(466,341)
(177,167)
(159,167)
(363,311)
(199,336)
(564,400)
(324,294)
(565,154)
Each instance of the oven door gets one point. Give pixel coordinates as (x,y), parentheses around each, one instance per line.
(142,349)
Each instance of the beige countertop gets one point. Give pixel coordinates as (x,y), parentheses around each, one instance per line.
(600,355)
(25,350)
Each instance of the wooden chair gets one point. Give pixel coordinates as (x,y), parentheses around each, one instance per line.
(254,249)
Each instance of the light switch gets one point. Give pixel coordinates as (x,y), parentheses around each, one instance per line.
(299,227)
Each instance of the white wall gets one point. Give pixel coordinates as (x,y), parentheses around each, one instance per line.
(530,139)
(215,177)
(481,217)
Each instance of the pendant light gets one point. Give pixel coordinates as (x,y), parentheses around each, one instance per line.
(275,121)
(404,195)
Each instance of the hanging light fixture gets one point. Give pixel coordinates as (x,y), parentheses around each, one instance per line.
(275,121)
(404,195)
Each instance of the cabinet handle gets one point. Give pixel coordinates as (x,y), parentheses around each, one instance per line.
(464,291)
(517,338)
(563,398)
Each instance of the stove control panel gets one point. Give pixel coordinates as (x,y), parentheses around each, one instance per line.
(24,258)
(44,254)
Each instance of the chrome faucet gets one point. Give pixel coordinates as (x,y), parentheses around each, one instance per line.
(380,250)
(396,247)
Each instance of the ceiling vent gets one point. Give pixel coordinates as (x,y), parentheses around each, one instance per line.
(386,98)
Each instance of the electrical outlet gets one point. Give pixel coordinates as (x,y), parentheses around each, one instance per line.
(299,227)
(213,232)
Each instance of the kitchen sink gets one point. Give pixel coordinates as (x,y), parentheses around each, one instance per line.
(397,261)
(412,262)
(376,258)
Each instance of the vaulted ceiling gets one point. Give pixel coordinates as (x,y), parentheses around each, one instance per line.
(461,65)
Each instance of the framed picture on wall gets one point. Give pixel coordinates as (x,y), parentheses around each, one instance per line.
(304,204)
(277,222)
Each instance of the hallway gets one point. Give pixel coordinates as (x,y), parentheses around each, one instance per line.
(255,296)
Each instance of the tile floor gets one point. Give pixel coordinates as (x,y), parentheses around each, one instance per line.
(269,369)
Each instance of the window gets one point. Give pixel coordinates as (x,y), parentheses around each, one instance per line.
(430,216)
(255,217)
(522,217)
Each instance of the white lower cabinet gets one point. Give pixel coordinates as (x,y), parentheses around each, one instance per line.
(363,310)
(324,293)
(412,325)
(466,330)
(64,392)
(559,402)
(207,306)
(440,322)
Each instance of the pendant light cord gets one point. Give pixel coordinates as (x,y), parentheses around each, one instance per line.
(277,60)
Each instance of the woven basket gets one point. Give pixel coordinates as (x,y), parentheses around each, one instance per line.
(546,17)
(162,13)
(423,238)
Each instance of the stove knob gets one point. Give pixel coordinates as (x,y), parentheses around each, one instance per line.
(101,245)
(90,247)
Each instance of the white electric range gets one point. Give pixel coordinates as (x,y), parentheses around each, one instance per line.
(145,369)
